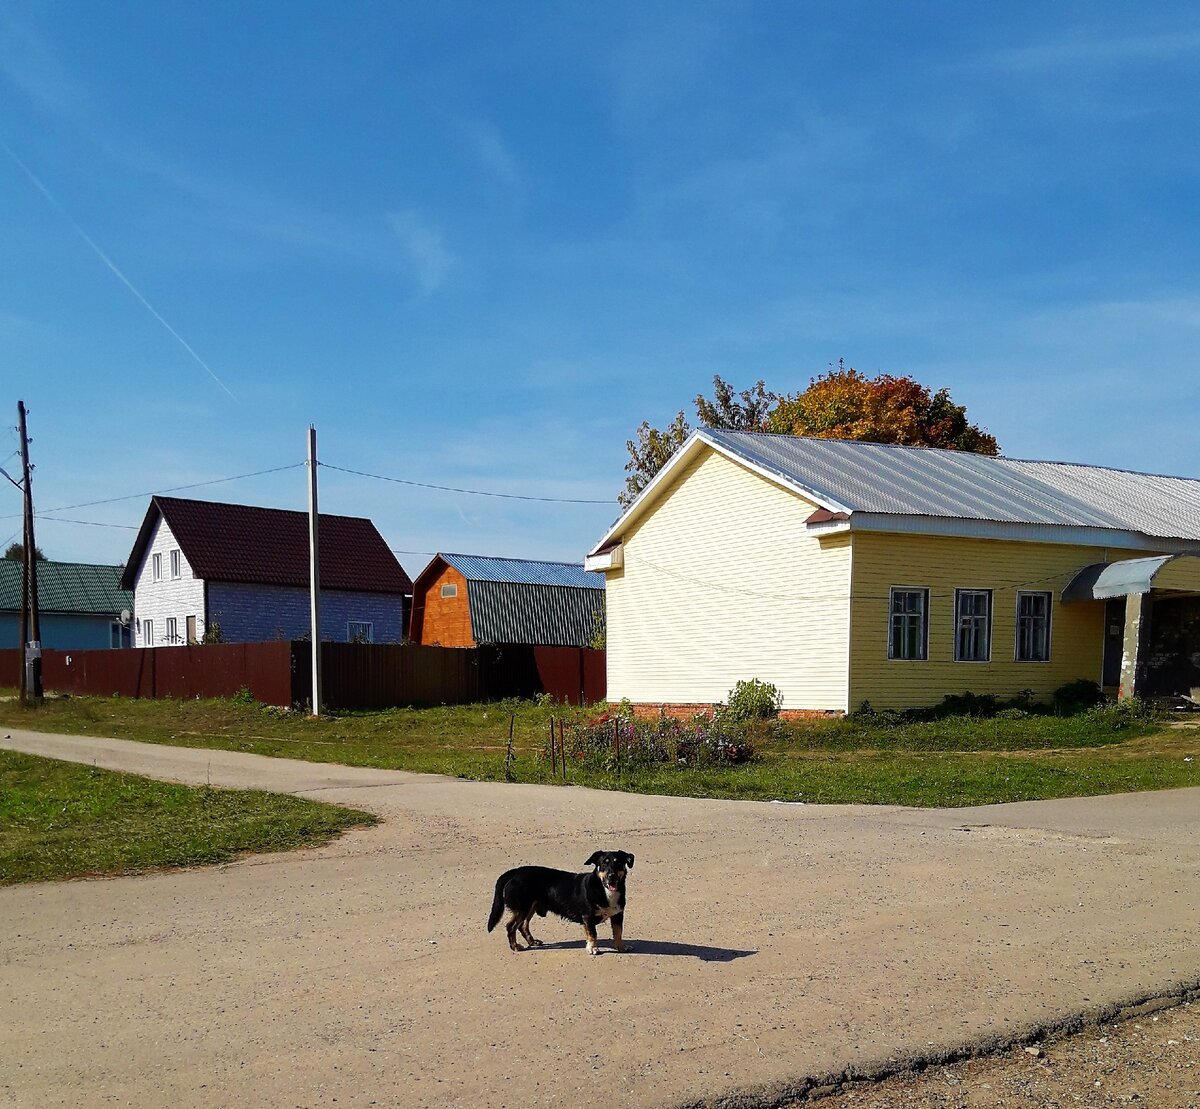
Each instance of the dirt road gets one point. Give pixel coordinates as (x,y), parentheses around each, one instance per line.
(771,943)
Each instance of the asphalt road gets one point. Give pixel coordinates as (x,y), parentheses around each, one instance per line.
(770,943)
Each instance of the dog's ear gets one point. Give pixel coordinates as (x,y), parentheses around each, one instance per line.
(628,858)
(594,859)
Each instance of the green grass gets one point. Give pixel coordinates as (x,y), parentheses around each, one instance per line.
(954,761)
(66,820)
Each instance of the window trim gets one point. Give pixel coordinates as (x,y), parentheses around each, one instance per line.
(156,566)
(368,624)
(176,565)
(171,634)
(147,631)
(958,592)
(1049,595)
(450,585)
(924,591)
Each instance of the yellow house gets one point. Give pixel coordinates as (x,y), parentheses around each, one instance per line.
(846,572)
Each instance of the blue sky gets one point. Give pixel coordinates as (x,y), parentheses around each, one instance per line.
(477,244)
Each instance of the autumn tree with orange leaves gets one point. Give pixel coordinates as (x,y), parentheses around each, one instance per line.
(840,404)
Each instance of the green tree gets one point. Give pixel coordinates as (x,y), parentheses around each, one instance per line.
(16,553)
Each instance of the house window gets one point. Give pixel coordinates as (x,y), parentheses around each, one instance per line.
(116,635)
(147,633)
(1033,627)
(360,631)
(156,567)
(908,637)
(172,630)
(973,625)
(175,571)
(450,590)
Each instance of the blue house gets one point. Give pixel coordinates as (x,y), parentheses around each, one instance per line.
(80,606)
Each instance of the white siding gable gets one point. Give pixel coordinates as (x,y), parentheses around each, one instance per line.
(177,598)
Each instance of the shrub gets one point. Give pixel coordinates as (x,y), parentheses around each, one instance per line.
(752,700)
(1076,696)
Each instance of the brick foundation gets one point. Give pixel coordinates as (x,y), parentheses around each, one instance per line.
(686,712)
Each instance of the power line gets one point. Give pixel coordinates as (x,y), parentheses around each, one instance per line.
(171,489)
(90,523)
(456,489)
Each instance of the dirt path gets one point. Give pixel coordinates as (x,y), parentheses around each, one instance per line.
(772,943)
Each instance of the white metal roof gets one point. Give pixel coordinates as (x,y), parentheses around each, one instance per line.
(883,481)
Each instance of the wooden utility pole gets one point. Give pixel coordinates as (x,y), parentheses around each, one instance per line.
(31,656)
(314,572)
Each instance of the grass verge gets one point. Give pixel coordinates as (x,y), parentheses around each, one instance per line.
(948,762)
(66,820)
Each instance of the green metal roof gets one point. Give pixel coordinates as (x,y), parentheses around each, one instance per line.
(67,587)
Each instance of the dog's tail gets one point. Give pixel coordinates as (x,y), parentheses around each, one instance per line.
(498,901)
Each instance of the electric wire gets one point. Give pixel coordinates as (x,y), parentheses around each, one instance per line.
(170,489)
(457,489)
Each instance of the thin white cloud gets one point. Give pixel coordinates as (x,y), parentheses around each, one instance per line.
(426,251)
(28,63)
(1080,50)
(493,153)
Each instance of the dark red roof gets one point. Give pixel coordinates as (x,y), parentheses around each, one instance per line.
(269,546)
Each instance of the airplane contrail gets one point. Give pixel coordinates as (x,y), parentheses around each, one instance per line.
(33,177)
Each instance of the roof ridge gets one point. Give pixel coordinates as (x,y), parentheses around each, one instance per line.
(510,558)
(950,451)
(256,507)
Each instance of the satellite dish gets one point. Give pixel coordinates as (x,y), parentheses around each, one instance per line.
(126,616)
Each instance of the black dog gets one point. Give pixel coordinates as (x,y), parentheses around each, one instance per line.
(586,899)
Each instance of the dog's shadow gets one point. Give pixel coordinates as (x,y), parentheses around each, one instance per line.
(659,947)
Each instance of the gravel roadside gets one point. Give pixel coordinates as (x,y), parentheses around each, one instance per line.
(1151,1061)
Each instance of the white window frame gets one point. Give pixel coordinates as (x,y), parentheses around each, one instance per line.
(1022,593)
(959,594)
(176,565)
(370,630)
(924,625)
(156,567)
(449,589)
(147,632)
(172,632)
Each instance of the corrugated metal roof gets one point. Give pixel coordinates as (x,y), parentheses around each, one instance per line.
(879,478)
(544,615)
(82,587)
(524,571)
(269,546)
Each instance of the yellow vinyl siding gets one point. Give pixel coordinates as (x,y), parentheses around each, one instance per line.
(721,582)
(1181,574)
(942,565)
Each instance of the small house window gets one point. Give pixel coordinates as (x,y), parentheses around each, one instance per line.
(973,625)
(908,635)
(156,567)
(116,634)
(147,633)
(1033,627)
(175,560)
(360,631)
(172,630)
(450,590)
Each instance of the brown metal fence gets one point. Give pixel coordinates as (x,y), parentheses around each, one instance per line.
(354,675)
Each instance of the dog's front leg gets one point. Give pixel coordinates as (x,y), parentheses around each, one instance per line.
(618,923)
(589,930)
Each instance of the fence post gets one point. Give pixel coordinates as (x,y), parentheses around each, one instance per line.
(562,737)
(617,746)
(553,751)
(508,774)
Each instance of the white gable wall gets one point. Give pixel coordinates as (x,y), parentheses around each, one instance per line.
(157,601)
(723,582)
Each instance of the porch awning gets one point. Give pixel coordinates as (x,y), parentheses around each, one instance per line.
(1130,576)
